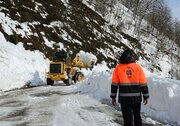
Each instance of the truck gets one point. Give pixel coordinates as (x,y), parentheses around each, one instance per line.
(62,68)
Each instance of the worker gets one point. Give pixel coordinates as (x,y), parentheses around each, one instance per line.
(91,65)
(129,81)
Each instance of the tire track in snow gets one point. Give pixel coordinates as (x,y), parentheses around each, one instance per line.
(81,110)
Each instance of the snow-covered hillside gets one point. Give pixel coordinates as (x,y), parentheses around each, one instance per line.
(19,66)
(157,53)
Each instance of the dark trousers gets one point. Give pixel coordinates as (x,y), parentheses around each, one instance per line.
(131,112)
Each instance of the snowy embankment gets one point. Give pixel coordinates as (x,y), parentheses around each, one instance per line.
(19,66)
(164,98)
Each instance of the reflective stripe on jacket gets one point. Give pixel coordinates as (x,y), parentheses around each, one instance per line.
(131,82)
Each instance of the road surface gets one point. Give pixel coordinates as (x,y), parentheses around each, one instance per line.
(57,106)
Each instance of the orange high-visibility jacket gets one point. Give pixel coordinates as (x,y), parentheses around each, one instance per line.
(131,82)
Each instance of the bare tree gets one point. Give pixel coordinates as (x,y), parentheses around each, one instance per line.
(141,9)
(177,32)
(102,5)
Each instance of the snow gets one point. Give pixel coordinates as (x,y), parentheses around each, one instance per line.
(164,93)
(20,66)
(47,42)
(8,25)
(152,43)
(65,2)
(39,8)
(77,108)
(165,99)
(87,57)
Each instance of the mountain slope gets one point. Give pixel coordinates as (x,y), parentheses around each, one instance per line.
(55,25)
(74,25)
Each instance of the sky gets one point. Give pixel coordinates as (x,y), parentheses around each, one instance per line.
(174,5)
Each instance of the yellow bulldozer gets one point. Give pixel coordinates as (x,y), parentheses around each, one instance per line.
(62,68)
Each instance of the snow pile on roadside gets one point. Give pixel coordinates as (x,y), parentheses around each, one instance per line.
(87,57)
(164,93)
(97,82)
(164,99)
(20,66)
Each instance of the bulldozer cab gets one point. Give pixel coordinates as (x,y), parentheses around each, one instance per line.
(57,67)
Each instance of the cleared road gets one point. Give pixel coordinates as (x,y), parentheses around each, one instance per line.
(56,106)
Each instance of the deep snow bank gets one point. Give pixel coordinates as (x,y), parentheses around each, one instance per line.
(164,98)
(97,82)
(20,66)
